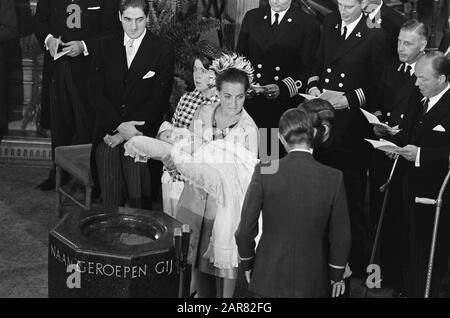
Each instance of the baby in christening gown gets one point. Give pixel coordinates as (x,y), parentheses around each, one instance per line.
(221,168)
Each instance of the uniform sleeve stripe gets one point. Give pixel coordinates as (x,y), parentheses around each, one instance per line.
(361,97)
(246,258)
(335,266)
(291,86)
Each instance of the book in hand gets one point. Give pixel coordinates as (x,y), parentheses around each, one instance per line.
(59,51)
(384,145)
(372,119)
(326,95)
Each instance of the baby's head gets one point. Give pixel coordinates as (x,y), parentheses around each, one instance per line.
(167,136)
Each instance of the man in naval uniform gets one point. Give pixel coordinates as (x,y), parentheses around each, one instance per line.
(350,58)
(389,20)
(280,41)
(397,85)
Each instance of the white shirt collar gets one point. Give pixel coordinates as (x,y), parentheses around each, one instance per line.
(281,14)
(433,100)
(351,26)
(137,42)
(375,12)
(302,150)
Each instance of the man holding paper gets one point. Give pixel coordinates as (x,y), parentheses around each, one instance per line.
(397,85)
(280,41)
(350,58)
(72,28)
(425,136)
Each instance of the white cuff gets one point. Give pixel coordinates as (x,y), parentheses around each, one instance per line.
(45,41)
(336,266)
(85,51)
(313,78)
(361,97)
(246,258)
(417,163)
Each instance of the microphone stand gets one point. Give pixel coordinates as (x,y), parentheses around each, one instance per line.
(438,204)
(178,256)
(384,188)
(184,252)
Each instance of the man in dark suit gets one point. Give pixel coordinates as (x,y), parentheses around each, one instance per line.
(129,88)
(306,230)
(445,44)
(350,60)
(73,26)
(383,16)
(397,85)
(425,137)
(280,42)
(8,31)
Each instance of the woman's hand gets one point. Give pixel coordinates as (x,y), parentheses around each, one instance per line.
(272,91)
(338,288)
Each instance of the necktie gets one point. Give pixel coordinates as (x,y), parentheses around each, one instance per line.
(408,70)
(344,33)
(275,24)
(425,106)
(130,52)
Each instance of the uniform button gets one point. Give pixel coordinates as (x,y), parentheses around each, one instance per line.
(329,70)
(342,75)
(258,75)
(277,68)
(259,65)
(341,85)
(123,106)
(388,114)
(327,80)
(401,116)
(276,78)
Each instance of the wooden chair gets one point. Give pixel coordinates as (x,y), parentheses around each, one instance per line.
(75,160)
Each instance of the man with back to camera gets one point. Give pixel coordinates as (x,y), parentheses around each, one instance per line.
(129,88)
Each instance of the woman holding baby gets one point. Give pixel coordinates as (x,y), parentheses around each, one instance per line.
(215,261)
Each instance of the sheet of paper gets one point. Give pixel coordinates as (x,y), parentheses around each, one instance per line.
(326,95)
(329,94)
(60,53)
(384,145)
(259,89)
(372,119)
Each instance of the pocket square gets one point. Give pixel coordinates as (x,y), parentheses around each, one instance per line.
(149,74)
(439,128)
(93,8)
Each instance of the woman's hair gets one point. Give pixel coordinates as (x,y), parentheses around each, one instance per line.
(206,52)
(296,127)
(322,114)
(232,75)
